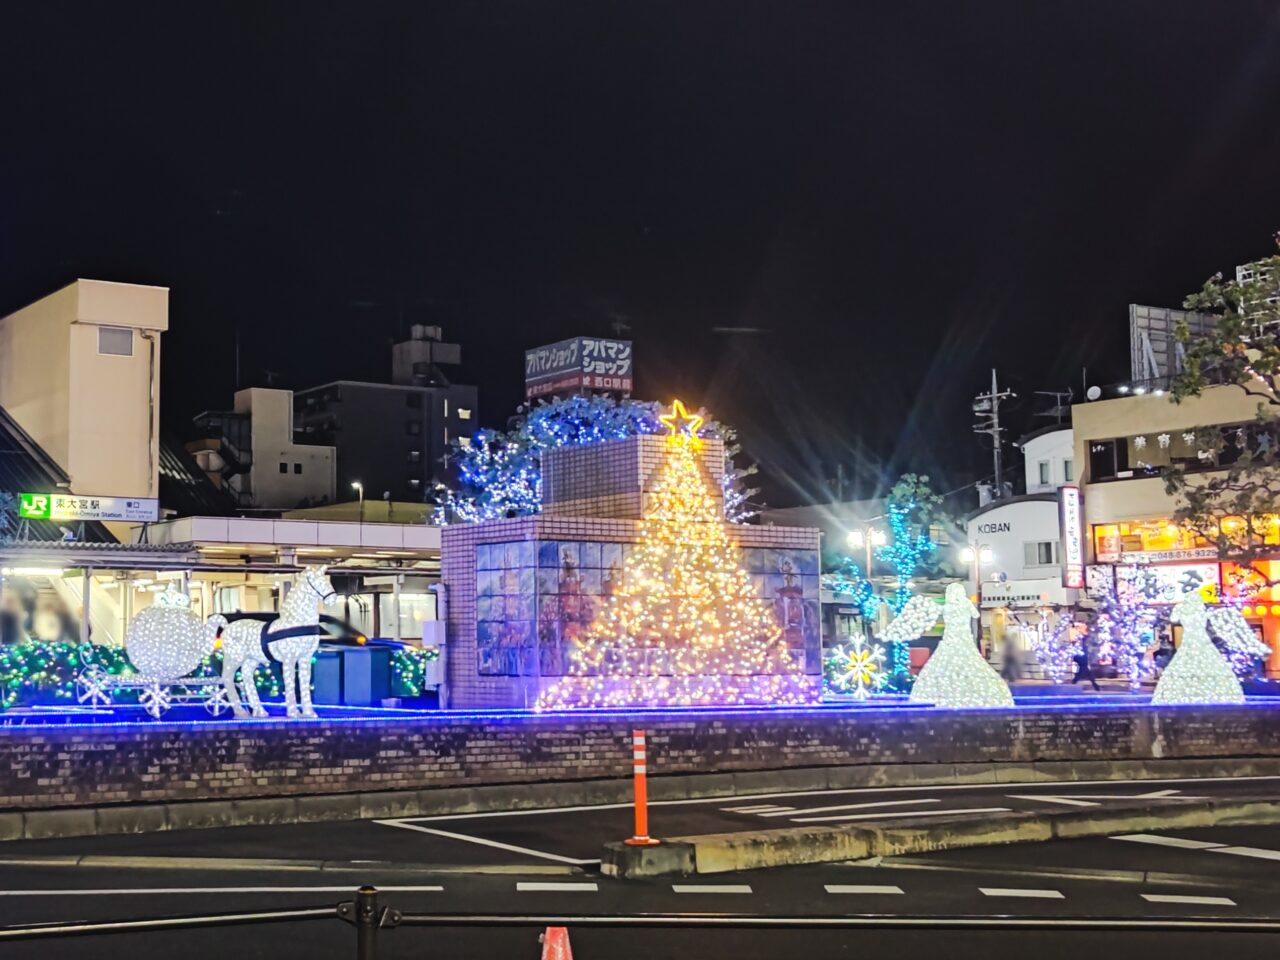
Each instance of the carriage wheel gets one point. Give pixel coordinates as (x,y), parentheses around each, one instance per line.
(216,702)
(91,687)
(155,699)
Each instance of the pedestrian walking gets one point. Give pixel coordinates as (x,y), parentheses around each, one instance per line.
(1083,671)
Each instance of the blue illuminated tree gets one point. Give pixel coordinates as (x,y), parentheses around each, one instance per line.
(912,509)
(500,473)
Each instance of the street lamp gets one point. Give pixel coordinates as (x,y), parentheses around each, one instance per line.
(358,487)
(869,536)
(977,554)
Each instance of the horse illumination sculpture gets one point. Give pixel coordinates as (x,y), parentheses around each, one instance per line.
(291,639)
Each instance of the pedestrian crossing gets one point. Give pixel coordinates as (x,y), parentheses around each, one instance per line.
(689,888)
(923,806)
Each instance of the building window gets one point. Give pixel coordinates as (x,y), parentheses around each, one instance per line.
(1044,471)
(413,401)
(284,467)
(297,468)
(1042,553)
(415,456)
(1068,470)
(115,341)
(464,413)
(413,428)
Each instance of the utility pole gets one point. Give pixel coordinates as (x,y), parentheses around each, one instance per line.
(986,406)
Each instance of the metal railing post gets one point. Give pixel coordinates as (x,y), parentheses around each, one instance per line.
(367,921)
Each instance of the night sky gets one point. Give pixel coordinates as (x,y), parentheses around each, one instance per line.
(902,194)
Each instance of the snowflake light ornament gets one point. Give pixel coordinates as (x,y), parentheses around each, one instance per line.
(858,669)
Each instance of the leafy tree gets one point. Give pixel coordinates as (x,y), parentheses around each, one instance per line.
(1235,508)
(500,473)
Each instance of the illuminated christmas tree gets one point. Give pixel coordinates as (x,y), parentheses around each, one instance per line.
(684,624)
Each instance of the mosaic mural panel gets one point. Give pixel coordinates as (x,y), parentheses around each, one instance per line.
(535,601)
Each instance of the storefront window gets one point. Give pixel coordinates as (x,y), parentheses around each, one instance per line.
(414,609)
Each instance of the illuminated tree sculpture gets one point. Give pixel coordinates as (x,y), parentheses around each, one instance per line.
(1125,622)
(684,624)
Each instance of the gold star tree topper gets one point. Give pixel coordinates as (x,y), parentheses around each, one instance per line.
(680,421)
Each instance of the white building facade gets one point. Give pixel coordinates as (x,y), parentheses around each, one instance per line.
(1017,572)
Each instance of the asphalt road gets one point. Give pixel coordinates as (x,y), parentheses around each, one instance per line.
(1222,876)
(574,836)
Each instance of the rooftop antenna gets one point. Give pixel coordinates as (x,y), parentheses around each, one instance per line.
(986,406)
(1059,406)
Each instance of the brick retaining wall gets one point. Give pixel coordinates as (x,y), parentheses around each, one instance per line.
(75,766)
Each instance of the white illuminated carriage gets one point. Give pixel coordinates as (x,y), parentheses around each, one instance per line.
(1198,672)
(165,644)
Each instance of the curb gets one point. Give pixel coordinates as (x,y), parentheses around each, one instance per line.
(753,850)
(314,808)
(274,865)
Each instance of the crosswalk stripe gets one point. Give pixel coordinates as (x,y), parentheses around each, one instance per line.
(1258,853)
(1197,901)
(862,888)
(757,808)
(887,814)
(710,888)
(862,806)
(1022,892)
(1161,841)
(548,887)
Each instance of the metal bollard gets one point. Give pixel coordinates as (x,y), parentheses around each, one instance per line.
(367,920)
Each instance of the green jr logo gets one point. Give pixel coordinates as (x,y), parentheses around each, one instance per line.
(34,506)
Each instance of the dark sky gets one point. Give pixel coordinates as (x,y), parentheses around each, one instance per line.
(905,194)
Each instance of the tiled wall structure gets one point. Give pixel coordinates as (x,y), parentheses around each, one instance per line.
(69,766)
(592,494)
(608,480)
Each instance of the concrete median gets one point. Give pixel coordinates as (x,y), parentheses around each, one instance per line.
(750,850)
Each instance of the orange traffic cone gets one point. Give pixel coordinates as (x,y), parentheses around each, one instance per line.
(555,944)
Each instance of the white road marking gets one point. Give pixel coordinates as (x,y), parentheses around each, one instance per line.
(710,888)
(531,887)
(861,888)
(118,891)
(1198,901)
(1067,801)
(845,791)
(858,806)
(1258,853)
(1022,892)
(887,814)
(1093,799)
(758,808)
(1161,841)
(541,854)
